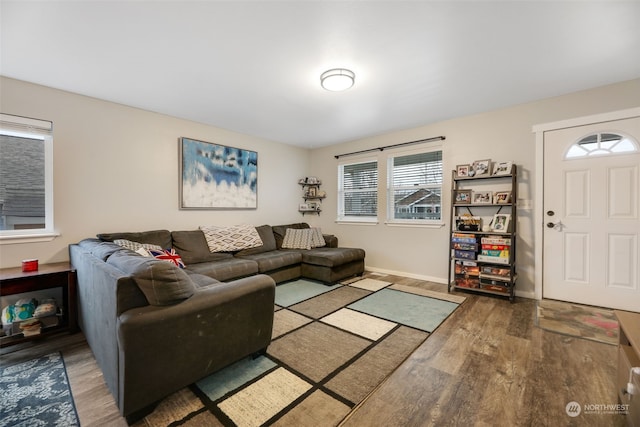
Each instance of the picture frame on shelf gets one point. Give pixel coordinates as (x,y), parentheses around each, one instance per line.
(462,197)
(468,223)
(303,207)
(311,192)
(502,168)
(313,206)
(462,171)
(500,222)
(502,197)
(481,168)
(482,197)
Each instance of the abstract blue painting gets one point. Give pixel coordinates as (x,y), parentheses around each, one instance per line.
(216,176)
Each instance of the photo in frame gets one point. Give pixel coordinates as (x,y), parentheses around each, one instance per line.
(462,171)
(481,167)
(482,197)
(215,176)
(461,197)
(502,197)
(500,222)
(502,168)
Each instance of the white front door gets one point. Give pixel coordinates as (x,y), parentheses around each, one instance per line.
(592,215)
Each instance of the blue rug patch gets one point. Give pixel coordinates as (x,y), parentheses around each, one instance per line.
(37,392)
(417,311)
(292,293)
(230,378)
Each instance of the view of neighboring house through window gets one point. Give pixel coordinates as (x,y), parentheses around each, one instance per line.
(415,187)
(358,191)
(25,176)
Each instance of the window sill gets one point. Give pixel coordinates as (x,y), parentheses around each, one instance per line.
(415,224)
(28,238)
(350,221)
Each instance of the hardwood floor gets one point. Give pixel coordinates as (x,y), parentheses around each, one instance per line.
(486,365)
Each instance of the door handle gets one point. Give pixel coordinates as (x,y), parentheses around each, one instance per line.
(555,225)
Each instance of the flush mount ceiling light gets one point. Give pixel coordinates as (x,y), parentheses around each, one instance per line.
(337,79)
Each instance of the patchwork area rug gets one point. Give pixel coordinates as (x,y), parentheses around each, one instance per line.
(581,321)
(36,393)
(331,347)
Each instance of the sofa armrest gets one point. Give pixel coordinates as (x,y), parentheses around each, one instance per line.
(330,240)
(218,325)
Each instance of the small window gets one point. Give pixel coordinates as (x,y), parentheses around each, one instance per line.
(602,144)
(26,177)
(415,187)
(358,191)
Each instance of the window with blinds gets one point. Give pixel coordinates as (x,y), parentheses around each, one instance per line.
(358,191)
(415,187)
(26,176)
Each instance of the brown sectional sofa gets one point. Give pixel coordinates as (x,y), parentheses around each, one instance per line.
(155,328)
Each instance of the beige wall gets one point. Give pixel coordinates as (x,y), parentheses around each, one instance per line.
(499,135)
(116,169)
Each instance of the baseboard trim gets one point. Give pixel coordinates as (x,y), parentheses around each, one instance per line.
(440,280)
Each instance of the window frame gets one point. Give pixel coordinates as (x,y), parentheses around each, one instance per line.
(341,217)
(390,203)
(25,127)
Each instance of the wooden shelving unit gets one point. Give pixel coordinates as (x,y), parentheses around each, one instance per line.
(483,256)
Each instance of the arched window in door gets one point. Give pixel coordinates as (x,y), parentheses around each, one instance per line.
(602,144)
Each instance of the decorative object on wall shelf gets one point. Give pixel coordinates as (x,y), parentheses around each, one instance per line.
(502,168)
(480,168)
(312,195)
(214,176)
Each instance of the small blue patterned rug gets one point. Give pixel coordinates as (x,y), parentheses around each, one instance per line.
(37,392)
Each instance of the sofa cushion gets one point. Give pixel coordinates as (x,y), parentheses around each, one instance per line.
(274,260)
(232,238)
(161,238)
(99,249)
(201,281)
(161,282)
(332,257)
(268,242)
(193,248)
(226,269)
(280,230)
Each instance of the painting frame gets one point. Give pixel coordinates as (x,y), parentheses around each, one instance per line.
(502,168)
(500,223)
(481,167)
(502,197)
(482,197)
(462,197)
(462,171)
(215,176)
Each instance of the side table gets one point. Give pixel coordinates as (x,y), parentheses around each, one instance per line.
(628,357)
(56,275)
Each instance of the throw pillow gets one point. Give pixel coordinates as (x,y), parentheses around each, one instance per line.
(317,239)
(233,238)
(168,255)
(134,246)
(162,283)
(297,238)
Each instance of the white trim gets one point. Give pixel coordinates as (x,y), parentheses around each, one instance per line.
(373,221)
(538,217)
(414,223)
(440,280)
(27,238)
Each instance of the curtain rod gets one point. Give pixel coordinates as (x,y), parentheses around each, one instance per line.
(435,138)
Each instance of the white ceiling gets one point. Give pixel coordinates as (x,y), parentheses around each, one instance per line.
(254,67)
